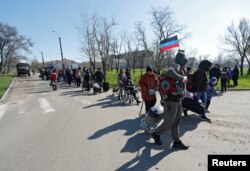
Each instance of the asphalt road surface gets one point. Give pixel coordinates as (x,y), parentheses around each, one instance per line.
(45,130)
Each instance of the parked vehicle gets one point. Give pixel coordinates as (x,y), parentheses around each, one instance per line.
(23,68)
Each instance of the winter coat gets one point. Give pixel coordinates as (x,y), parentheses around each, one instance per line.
(177,74)
(121,80)
(146,83)
(200,77)
(99,77)
(235,73)
(214,72)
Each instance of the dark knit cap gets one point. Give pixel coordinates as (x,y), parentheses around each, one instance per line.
(149,69)
(180,58)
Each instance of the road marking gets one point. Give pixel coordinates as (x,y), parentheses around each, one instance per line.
(45,105)
(86,102)
(3,108)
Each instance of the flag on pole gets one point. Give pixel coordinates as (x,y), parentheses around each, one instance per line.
(169,43)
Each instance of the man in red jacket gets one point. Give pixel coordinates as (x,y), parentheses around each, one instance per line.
(53,77)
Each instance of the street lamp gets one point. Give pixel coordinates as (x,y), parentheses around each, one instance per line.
(60,46)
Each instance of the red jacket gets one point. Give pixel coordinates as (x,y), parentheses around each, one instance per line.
(53,76)
(147,82)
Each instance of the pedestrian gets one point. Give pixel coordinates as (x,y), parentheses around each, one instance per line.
(201,85)
(172,103)
(148,83)
(33,71)
(229,72)
(127,72)
(78,76)
(235,75)
(87,79)
(215,72)
(224,79)
(99,77)
(211,92)
(121,80)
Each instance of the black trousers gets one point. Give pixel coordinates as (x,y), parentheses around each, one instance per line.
(223,85)
(235,80)
(208,103)
(149,104)
(78,82)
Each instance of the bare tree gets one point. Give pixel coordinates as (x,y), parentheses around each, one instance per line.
(35,63)
(219,59)
(13,46)
(142,42)
(96,39)
(116,46)
(131,49)
(103,32)
(163,26)
(88,44)
(237,40)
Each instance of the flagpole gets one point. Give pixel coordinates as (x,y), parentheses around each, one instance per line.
(178,42)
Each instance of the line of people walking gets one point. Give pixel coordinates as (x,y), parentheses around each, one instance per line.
(192,91)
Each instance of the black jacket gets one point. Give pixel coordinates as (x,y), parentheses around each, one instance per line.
(236,73)
(99,77)
(200,76)
(214,72)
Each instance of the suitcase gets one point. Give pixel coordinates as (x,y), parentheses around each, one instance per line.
(105,86)
(193,105)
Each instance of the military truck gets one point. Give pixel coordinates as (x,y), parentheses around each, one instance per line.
(23,68)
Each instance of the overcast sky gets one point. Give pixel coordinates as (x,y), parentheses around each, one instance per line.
(205,19)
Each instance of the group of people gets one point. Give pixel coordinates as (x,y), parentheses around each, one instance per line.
(193,90)
(225,75)
(78,75)
(197,97)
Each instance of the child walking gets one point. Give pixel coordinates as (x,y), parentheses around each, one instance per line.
(211,92)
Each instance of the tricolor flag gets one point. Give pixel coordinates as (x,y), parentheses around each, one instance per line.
(169,43)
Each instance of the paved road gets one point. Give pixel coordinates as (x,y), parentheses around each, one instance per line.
(44,130)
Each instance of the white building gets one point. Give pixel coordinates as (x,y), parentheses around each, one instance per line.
(67,63)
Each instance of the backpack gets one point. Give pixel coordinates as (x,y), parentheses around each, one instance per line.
(166,85)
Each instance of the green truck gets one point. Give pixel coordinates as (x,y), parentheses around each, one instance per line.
(23,69)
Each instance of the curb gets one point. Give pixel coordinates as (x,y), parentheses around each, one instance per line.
(7,91)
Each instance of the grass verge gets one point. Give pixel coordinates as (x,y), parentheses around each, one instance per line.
(5,81)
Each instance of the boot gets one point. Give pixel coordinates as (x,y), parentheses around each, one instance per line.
(179,145)
(157,138)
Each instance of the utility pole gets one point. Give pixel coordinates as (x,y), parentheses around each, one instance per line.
(61,51)
(42,58)
(60,43)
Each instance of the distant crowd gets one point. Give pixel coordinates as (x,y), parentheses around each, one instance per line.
(77,75)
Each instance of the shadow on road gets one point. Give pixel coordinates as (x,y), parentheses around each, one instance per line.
(140,145)
(41,91)
(129,125)
(108,101)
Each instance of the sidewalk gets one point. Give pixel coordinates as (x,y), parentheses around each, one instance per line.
(7,91)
